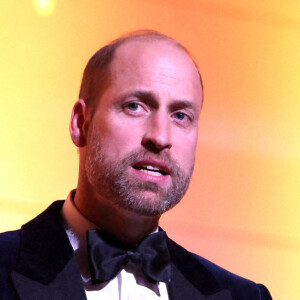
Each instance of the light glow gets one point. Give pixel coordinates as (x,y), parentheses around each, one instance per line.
(44,7)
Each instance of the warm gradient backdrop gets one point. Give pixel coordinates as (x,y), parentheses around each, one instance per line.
(242,210)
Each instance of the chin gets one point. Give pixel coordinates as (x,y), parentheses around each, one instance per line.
(147,204)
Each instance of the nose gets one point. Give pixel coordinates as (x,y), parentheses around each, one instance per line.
(157,135)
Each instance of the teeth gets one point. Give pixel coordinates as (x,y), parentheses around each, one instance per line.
(149,167)
(153,173)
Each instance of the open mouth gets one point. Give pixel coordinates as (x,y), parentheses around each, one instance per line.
(152,170)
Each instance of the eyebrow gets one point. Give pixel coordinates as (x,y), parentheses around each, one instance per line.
(147,97)
(182,104)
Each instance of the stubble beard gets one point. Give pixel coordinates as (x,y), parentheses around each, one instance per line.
(111,180)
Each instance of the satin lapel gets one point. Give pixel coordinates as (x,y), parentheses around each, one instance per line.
(66,285)
(191,280)
(181,289)
(47,268)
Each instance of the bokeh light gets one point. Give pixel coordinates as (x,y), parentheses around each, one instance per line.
(44,7)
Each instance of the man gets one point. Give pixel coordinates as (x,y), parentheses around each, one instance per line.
(135,125)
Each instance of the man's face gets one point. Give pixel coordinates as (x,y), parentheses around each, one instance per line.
(141,142)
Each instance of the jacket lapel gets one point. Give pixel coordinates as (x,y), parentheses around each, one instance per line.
(66,285)
(47,268)
(191,280)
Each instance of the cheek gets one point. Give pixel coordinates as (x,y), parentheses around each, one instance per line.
(120,140)
(186,150)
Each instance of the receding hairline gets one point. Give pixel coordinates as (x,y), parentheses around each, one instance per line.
(101,62)
(147,35)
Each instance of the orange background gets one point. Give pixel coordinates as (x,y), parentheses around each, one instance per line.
(242,210)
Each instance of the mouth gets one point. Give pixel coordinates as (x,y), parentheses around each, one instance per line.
(151,170)
(152,167)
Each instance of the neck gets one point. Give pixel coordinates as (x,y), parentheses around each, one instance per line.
(129,227)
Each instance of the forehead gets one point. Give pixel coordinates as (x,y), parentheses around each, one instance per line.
(147,53)
(155,63)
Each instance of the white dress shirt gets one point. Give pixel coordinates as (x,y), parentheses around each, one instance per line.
(129,284)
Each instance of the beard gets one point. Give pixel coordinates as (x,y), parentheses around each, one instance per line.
(111,180)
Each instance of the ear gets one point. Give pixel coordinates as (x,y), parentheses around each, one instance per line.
(78,123)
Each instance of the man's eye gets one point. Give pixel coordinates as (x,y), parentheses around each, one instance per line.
(180,116)
(133,106)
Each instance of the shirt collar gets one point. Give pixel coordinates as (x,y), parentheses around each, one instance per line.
(76,223)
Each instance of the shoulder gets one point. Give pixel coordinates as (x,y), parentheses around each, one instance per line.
(240,287)
(237,284)
(12,241)
(9,253)
(9,248)
(25,248)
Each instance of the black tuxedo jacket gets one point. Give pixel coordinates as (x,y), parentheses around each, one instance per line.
(37,263)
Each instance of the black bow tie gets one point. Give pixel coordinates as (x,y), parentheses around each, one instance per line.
(107,256)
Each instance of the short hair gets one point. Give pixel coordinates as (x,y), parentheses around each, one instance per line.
(96,77)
